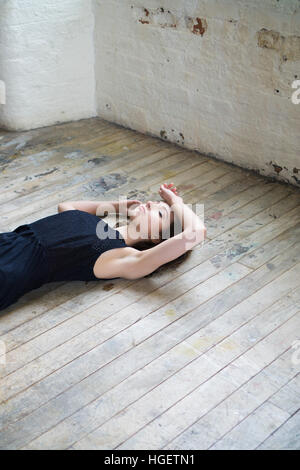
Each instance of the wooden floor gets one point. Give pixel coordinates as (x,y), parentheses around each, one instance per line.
(202,355)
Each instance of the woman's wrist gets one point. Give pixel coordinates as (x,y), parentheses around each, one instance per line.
(187,217)
(177,200)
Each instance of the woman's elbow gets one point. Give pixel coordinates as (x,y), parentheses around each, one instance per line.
(194,236)
(64,206)
(140,268)
(132,276)
(60,207)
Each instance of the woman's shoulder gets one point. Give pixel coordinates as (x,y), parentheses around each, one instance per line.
(66,222)
(75,212)
(76,215)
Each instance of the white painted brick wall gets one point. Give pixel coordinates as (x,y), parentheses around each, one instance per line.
(220,92)
(46,61)
(225,91)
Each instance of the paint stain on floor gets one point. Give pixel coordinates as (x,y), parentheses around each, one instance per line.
(170,312)
(216,215)
(108,287)
(107,182)
(228,345)
(237,250)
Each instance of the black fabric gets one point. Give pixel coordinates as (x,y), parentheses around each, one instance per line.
(61,247)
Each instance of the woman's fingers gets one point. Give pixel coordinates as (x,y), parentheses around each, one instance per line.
(170,187)
(174,189)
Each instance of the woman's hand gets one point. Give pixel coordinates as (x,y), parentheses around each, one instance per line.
(169,193)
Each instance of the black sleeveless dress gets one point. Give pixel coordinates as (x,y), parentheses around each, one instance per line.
(61,247)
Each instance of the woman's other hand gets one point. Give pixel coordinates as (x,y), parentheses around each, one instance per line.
(169,193)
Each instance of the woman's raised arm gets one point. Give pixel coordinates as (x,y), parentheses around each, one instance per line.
(130,263)
(133,264)
(97,207)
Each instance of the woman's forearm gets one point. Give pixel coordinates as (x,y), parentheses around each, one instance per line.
(189,220)
(98,207)
(92,207)
(192,227)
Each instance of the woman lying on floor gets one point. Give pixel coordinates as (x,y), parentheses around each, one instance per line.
(76,245)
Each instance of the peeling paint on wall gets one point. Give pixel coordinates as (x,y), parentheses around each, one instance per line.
(277,168)
(220,77)
(155,17)
(287,46)
(285,174)
(200,26)
(163,134)
(175,136)
(163,18)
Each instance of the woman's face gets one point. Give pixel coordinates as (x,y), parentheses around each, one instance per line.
(152,219)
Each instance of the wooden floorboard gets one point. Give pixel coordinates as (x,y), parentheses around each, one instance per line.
(200,355)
